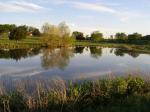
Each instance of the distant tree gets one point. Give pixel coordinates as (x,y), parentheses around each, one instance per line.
(147,37)
(49,29)
(78,35)
(36,32)
(121,36)
(134,36)
(5,28)
(87,37)
(97,36)
(18,33)
(63,29)
(111,37)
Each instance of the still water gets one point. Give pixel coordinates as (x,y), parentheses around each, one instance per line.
(71,63)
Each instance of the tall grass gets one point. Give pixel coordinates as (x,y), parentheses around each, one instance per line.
(131,94)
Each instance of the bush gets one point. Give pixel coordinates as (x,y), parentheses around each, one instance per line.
(18,33)
(135,85)
(36,32)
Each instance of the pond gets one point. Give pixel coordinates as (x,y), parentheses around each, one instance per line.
(73,63)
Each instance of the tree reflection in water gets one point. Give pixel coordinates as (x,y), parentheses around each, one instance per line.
(79,49)
(122,52)
(17,54)
(96,52)
(58,58)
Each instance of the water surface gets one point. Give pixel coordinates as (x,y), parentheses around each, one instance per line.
(71,63)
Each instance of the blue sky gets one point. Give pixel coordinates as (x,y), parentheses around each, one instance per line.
(107,16)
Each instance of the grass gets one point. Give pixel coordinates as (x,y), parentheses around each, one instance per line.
(29,42)
(130,94)
(34,42)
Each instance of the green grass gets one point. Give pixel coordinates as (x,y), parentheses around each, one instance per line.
(33,42)
(29,42)
(130,94)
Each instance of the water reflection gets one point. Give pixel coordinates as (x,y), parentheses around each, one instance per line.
(122,52)
(79,49)
(68,63)
(18,54)
(96,52)
(59,58)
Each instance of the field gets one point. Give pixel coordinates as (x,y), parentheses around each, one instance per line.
(34,42)
(29,42)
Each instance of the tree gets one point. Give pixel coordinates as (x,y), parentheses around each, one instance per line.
(78,35)
(57,35)
(49,29)
(121,36)
(63,29)
(147,37)
(5,28)
(134,36)
(97,36)
(18,33)
(36,32)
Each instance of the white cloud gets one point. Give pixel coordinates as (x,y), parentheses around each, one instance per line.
(111,8)
(15,6)
(93,7)
(127,15)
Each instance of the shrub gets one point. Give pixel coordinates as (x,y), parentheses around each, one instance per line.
(135,85)
(18,33)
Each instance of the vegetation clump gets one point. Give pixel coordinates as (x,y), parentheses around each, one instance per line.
(120,94)
(18,33)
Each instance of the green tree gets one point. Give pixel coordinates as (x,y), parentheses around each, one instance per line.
(18,33)
(97,36)
(63,29)
(121,36)
(78,35)
(57,35)
(147,37)
(36,32)
(4,28)
(134,36)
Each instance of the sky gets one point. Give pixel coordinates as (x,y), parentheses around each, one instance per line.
(107,16)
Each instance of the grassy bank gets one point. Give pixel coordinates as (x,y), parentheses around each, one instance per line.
(34,42)
(29,42)
(131,94)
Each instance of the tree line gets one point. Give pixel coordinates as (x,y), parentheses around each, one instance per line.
(119,37)
(53,33)
(18,32)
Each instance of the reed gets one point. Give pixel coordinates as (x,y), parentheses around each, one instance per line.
(130,94)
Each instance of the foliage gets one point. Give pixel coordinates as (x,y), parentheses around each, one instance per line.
(5,28)
(78,35)
(134,36)
(34,31)
(96,36)
(121,36)
(18,33)
(147,37)
(56,35)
